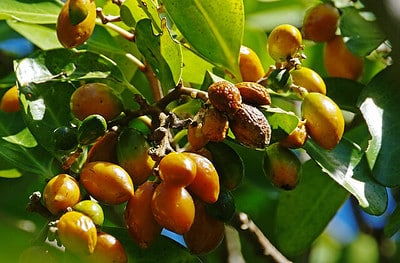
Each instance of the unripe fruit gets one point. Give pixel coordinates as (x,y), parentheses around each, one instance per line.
(139,218)
(308,79)
(340,62)
(324,119)
(132,155)
(206,232)
(284,42)
(107,182)
(321,22)
(65,138)
(10,100)
(61,192)
(177,169)
(250,65)
(224,209)
(91,128)
(282,166)
(173,208)
(253,93)
(91,209)
(206,183)
(72,30)
(215,125)
(250,127)
(77,233)
(95,98)
(225,96)
(108,249)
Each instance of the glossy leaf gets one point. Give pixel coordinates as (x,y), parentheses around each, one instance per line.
(379,104)
(23,138)
(303,213)
(345,164)
(134,10)
(282,122)
(213,28)
(364,35)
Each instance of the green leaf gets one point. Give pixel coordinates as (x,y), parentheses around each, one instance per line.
(213,28)
(132,11)
(346,165)
(379,104)
(303,213)
(282,122)
(364,35)
(162,53)
(10,173)
(34,11)
(23,138)
(393,224)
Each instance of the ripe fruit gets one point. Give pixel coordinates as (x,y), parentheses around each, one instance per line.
(215,125)
(284,42)
(297,138)
(250,65)
(65,138)
(91,128)
(340,62)
(107,182)
(61,192)
(105,149)
(321,22)
(173,207)
(225,96)
(324,119)
(282,166)
(77,233)
(10,100)
(76,22)
(206,232)
(224,209)
(253,93)
(91,209)
(177,169)
(95,98)
(250,127)
(206,183)
(132,155)
(308,79)
(108,249)
(139,218)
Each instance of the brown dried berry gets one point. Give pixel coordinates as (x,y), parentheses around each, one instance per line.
(253,93)
(215,125)
(225,96)
(250,127)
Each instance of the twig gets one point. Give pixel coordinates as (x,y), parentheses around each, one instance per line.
(106,21)
(242,222)
(154,83)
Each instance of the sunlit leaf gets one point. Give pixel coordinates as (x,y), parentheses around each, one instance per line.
(134,10)
(10,173)
(212,28)
(23,138)
(282,122)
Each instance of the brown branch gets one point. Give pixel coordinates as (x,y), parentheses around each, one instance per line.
(154,83)
(243,223)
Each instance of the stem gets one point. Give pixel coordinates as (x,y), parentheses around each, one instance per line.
(106,21)
(243,223)
(154,83)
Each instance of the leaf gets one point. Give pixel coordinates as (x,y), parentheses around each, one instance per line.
(162,53)
(379,104)
(364,35)
(303,213)
(213,28)
(34,11)
(23,138)
(132,11)
(345,164)
(393,224)
(282,122)
(10,173)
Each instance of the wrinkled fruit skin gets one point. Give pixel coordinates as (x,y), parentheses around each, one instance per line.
(206,183)
(108,249)
(177,169)
(10,100)
(215,125)
(107,182)
(297,138)
(308,79)
(324,120)
(77,233)
(284,42)
(132,155)
(340,62)
(139,218)
(225,96)
(91,209)
(206,232)
(95,98)
(282,166)
(253,93)
(321,22)
(61,192)
(173,208)
(250,127)
(71,35)
(250,65)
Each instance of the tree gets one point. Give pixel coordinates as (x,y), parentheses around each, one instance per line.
(130,87)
